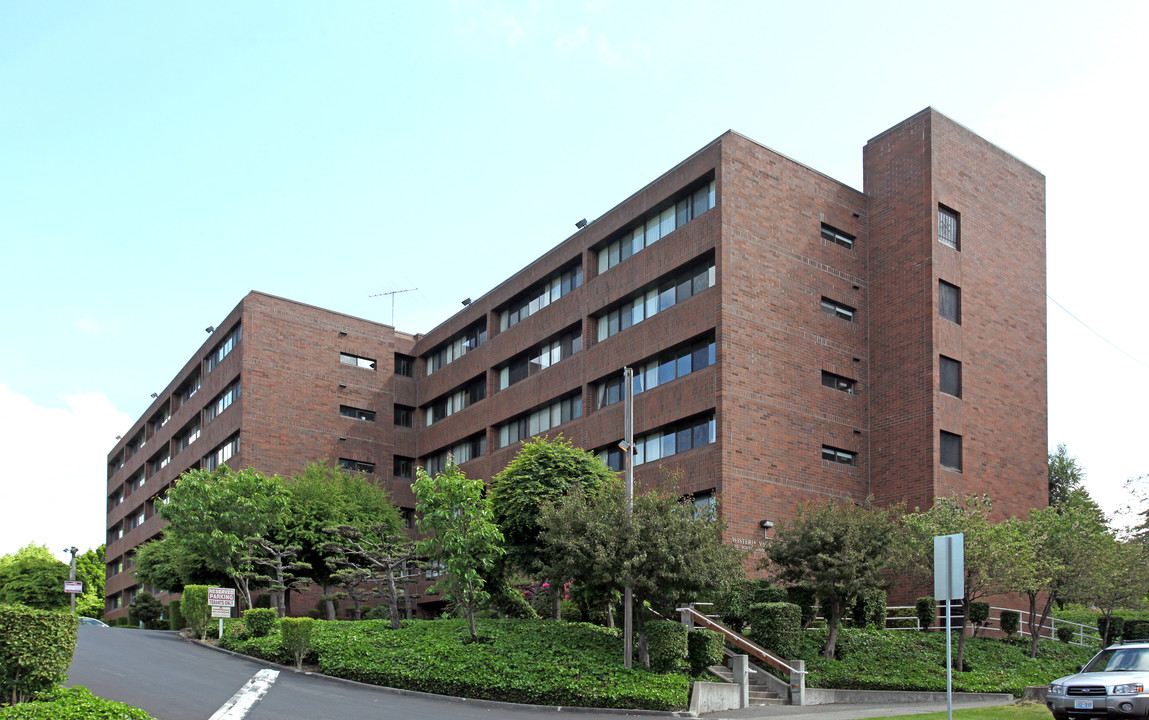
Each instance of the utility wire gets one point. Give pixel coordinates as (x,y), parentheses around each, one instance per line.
(1087,327)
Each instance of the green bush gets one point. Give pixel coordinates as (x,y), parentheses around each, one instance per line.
(296,637)
(175,617)
(262,600)
(703,649)
(570,610)
(926,610)
(978,612)
(770,594)
(805,599)
(195,609)
(1116,629)
(146,609)
(870,609)
(1135,630)
(1010,621)
(36,647)
(75,703)
(260,621)
(1064,633)
(776,627)
(666,641)
(734,605)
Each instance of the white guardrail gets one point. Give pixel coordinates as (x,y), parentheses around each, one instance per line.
(1082,634)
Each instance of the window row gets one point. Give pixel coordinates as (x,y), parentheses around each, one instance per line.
(645,304)
(457,347)
(539,297)
(469,449)
(222,402)
(650,228)
(223,453)
(224,348)
(540,358)
(553,415)
(448,405)
(663,443)
(659,371)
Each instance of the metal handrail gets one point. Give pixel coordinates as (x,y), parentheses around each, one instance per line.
(1084,633)
(740,641)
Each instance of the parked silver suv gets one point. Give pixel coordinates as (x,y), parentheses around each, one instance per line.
(1115,684)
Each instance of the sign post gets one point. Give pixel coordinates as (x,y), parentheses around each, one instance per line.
(221,601)
(949,583)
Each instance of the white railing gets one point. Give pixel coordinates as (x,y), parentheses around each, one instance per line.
(1082,634)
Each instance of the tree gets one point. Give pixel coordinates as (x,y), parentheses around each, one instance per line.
(991,550)
(1065,476)
(146,609)
(837,550)
(90,569)
(382,557)
(32,576)
(212,514)
(667,550)
(542,472)
(461,535)
(280,570)
(1121,577)
(324,497)
(167,565)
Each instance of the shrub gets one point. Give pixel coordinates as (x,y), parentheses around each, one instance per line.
(195,609)
(926,610)
(571,611)
(1010,622)
(775,627)
(804,598)
(734,605)
(260,621)
(769,594)
(262,600)
(870,609)
(36,647)
(146,609)
(234,632)
(978,614)
(703,649)
(1116,629)
(1064,633)
(1135,630)
(296,633)
(666,641)
(175,617)
(75,703)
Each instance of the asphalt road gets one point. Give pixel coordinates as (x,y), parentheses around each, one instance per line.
(175,680)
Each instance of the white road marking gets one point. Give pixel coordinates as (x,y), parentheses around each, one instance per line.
(247,696)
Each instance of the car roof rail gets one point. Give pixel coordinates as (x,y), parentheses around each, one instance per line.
(1128,641)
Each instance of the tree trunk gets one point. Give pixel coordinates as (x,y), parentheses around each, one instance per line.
(609,614)
(1040,621)
(837,608)
(329,603)
(556,604)
(959,664)
(393,601)
(643,649)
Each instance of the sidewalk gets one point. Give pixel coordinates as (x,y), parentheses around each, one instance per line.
(844,712)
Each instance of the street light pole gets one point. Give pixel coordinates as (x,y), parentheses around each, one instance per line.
(72,574)
(628,451)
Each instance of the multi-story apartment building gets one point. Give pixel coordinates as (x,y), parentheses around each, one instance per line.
(792,338)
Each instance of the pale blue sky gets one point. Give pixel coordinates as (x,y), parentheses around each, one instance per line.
(160,160)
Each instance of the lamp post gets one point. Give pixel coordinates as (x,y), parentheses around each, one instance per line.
(627,446)
(72,574)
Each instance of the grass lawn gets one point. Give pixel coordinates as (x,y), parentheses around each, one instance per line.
(1026,711)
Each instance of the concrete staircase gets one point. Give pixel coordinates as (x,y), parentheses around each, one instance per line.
(760,692)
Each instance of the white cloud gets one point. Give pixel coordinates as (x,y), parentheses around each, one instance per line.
(87,325)
(55,488)
(572,40)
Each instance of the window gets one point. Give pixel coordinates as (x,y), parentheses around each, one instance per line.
(356,361)
(404,365)
(357,413)
(404,416)
(223,453)
(949,302)
(187,390)
(951,451)
(357,466)
(837,309)
(471,448)
(655,299)
(188,435)
(660,370)
(949,227)
(537,298)
(950,372)
(838,455)
(222,402)
(540,358)
(648,229)
(457,347)
(224,348)
(838,382)
(408,517)
(159,462)
(664,442)
(705,504)
(453,402)
(135,443)
(160,419)
(836,236)
(404,467)
(541,420)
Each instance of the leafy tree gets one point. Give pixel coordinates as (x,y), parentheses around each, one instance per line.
(90,569)
(1121,577)
(1065,476)
(667,551)
(323,497)
(212,515)
(382,557)
(461,535)
(280,570)
(542,472)
(146,609)
(991,550)
(165,564)
(838,550)
(32,576)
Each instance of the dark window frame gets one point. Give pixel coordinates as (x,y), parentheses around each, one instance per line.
(949,302)
(950,451)
(837,309)
(833,235)
(839,382)
(355,413)
(949,227)
(949,376)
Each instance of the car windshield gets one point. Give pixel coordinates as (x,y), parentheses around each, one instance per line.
(1120,659)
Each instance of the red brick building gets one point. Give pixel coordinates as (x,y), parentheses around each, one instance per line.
(792,338)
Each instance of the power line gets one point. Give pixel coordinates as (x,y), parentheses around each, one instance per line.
(1090,329)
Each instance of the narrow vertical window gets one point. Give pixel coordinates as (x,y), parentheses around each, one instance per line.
(951,451)
(949,302)
(949,227)
(950,372)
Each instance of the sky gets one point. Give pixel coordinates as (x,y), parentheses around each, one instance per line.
(158,161)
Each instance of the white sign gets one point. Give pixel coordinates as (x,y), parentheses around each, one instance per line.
(73,586)
(221,597)
(220,612)
(949,566)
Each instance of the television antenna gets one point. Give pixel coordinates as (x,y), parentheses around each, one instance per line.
(393,293)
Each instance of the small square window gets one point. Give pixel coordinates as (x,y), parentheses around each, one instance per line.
(836,236)
(949,227)
(404,365)
(951,451)
(404,416)
(404,467)
(950,372)
(949,302)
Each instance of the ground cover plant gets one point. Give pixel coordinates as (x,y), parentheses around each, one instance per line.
(524,661)
(75,703)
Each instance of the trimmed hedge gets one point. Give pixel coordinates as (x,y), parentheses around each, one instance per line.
(75,703)
(1116,629)
(175,617)
(1135,630)
(260,621)
(776,627)
(666,642)
(36,648)
(1010,621)
(805,599)
(926,610)
(194,608)
(296,634)
(870,609)
(703,649)
(1064,633)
